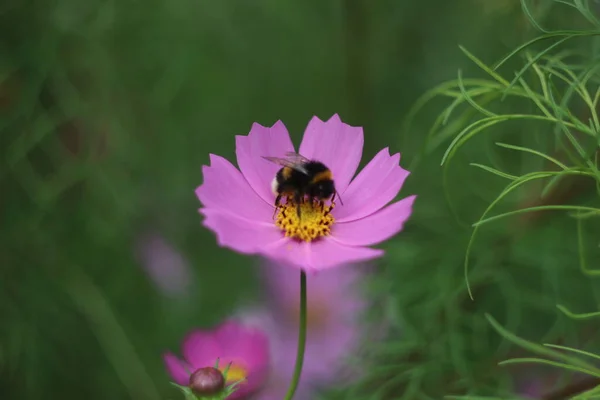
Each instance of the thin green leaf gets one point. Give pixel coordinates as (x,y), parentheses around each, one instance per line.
(572,315)
(532,151)
(551,35)
(534,97)
(535,58)
(596,97)
(584,215)
(534,209)
(584,9)
(551,184)
(585,353)
(484,67)
(495,171)
(509,188)
(592,394)
(470,100)
(541,350)
(531,18)
(566,3)
(581,251)
(484,123)
(547,362)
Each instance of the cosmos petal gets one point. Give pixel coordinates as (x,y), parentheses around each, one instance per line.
(243,341)
(318,255)
(248,346)
(241,344)
(262,141)
(229,333)
(376,227)
(201,349)
(337,145)
(178,369)
(165,265)
(225,189)
(375,186)
(240,234)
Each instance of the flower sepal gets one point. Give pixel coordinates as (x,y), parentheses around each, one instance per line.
(208,383)
(226,392)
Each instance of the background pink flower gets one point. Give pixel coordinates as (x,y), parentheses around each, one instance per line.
(167,268)
(238,204)
(539,382)
(246,347)
(334,329)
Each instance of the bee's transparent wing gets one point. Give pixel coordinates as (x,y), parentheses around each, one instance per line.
(287,162)
(296,158)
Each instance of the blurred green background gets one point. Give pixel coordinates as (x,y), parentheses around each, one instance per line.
(110,108)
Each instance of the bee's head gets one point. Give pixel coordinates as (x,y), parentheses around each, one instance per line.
(323,189)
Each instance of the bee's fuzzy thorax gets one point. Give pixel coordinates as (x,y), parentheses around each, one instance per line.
(286,172)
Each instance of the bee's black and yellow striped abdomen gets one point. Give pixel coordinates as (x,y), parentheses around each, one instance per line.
(322,176)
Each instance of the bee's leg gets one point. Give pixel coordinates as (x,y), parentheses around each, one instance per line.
(277,203)
(338,196)
(333,198)
(297,200)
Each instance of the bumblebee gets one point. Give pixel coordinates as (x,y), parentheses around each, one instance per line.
(299,178)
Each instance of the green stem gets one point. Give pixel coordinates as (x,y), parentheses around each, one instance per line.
(301,339)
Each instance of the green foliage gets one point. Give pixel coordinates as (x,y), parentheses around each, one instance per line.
(537,136)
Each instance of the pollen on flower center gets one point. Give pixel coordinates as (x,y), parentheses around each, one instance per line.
(314,222)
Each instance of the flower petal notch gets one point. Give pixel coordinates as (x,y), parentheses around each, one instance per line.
(238,350)
(306,209)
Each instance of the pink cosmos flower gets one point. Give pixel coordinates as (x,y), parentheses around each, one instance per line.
(239,204)
(334,327)
(244,346)
(538,387)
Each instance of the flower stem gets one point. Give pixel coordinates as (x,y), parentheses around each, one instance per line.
(301,339)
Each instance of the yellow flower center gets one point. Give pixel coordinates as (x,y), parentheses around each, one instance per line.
(236,372)
(315,219)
